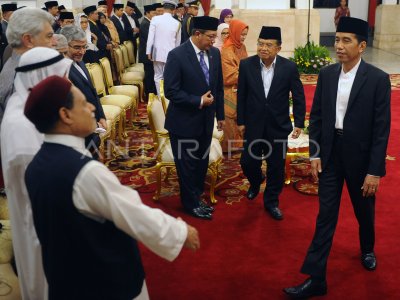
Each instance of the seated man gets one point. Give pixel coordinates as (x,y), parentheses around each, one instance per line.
(86,221)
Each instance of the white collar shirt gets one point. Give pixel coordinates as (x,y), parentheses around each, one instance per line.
(197,50)
(267,74)
(345,84)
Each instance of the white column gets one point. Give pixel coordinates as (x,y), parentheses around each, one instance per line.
(389,2)
(221,4)
(303,4)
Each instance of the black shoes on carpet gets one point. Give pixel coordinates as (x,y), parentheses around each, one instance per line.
(254,190)
(309,288)
(204,211)
(275,213)
(368,260)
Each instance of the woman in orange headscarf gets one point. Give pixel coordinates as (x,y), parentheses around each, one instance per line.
(232,52)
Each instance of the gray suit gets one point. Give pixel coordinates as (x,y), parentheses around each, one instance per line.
(7,81)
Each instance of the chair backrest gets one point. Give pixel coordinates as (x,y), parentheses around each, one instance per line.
(125,56)
(106,66)
(97,77)
(129,46)
(119,62)
(156,118)
(164,101)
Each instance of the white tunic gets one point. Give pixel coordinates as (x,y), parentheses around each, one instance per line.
(164,35)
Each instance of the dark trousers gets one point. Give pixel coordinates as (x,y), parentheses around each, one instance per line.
(274,152)
(149,85)
(331,180)
(191,161)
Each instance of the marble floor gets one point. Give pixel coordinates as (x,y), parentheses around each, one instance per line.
(388,61)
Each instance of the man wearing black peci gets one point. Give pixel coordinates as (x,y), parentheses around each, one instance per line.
(349,127)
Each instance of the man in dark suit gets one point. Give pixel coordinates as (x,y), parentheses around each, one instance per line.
(7,10)
(80,77)
(349,127)
(132,14)
(52,8)
(265,81)
(187,25)
(102,45)
(117,19)
(149,84)
(194,86)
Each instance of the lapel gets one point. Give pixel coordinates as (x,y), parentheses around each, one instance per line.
(192,56)
(117,23)
(359,81)
(259,85)
(333,82)
(275,78)
(210,67)
(79,75)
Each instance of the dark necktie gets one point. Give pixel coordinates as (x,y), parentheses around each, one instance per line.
(204,67)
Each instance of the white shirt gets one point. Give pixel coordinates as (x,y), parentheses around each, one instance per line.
(197,50)
(345,84)
(98,194)
(267,74)
(131,20)
(78,67)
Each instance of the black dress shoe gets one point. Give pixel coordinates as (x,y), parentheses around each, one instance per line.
(275,213)
(206,207)
(199,212)
(254,190)
(307,289)
(368,260)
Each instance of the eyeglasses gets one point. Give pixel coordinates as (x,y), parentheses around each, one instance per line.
(266,45)
(210,36)
(79,48)
(224,33)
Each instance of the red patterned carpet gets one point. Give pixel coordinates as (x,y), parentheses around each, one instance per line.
(244,253)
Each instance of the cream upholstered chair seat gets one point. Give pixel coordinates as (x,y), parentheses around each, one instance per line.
(162,145)
(118,100)
(134,65)
(131,76)
(114,114)
(128,90)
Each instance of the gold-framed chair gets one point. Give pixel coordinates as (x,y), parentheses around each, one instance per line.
(124,102)
(127,90)
(162,145)
(133,64)
(125,77)
(113,117)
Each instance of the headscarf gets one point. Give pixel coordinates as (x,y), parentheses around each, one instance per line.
(103,27)
(225,12)
(19,136)
(218,41)
(235,30)
(88,33)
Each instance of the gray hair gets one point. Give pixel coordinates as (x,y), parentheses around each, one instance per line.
(73,33)
(26,21)
(61,41)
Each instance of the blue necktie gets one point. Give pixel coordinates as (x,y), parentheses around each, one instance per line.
(204,67)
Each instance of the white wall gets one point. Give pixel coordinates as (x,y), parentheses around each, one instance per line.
(358,9)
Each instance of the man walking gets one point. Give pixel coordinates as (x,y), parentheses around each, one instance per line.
(349,127)
(194,86)
(265,81)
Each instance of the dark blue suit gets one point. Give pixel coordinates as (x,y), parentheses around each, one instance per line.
(185,83)
(87,88)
